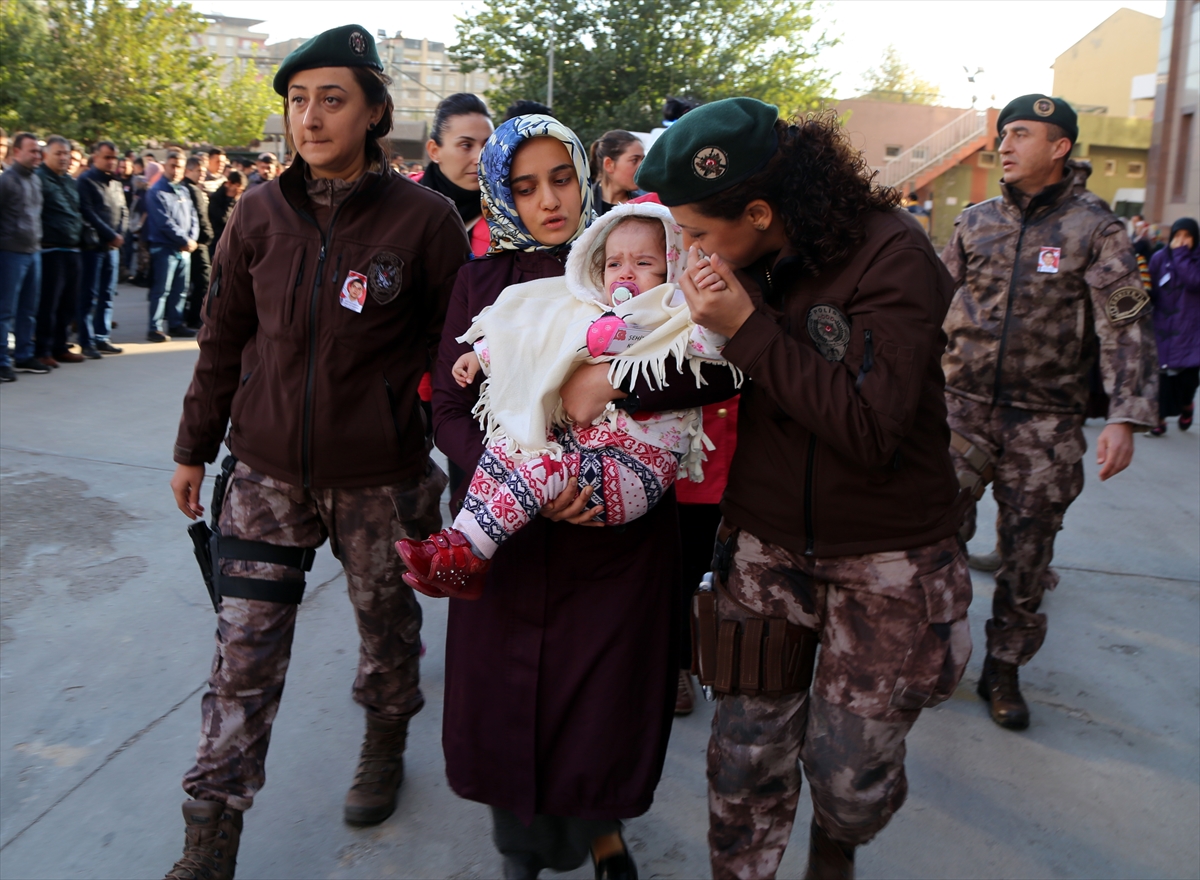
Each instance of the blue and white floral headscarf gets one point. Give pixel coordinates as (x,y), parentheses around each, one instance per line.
(495,171)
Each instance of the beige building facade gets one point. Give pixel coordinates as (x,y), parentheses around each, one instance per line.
(1111,70)
(232,40)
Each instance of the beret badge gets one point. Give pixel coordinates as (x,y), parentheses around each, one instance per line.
(358,43)
(709,163)
(1043,107)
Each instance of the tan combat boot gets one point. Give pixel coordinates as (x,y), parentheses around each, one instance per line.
(372,797)
(211,843)
(1000,687)
(828,859)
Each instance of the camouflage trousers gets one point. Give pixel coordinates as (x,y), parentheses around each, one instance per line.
(894,640)
(1038,459)
(254,638)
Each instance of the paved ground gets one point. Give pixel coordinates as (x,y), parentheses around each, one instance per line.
(106,638)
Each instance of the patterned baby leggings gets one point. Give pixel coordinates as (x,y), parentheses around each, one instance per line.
(627,476)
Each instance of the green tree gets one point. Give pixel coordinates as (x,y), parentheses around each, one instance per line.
(895,81)
(238,111)
(92,69)
(615,62)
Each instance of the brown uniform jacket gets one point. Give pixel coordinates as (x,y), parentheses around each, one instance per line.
(847,452)
(1024,336)
(314,393)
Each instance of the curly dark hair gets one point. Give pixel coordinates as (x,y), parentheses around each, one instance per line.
(820,185)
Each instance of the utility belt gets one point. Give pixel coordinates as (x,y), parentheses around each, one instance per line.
(982,468)
(761,655)
(212,548)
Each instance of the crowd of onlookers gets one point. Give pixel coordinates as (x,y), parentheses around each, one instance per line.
(74,225)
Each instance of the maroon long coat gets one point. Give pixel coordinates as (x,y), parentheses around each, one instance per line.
(560,681)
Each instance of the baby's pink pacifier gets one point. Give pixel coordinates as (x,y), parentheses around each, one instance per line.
(623,291)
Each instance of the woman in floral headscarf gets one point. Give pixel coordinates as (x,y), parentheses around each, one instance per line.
(560,680)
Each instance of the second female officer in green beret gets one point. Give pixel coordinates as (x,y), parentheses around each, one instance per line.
(842,506)
(328,293)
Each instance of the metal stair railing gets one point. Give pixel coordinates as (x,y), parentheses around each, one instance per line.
(935,148)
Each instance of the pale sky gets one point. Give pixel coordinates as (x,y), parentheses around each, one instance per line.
(1014,41)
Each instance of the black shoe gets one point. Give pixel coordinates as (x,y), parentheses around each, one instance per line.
(617,867)
(157,336)
(180,332)
(30,365)
(90,353)
(1000,687)
(106,347)
(7,374)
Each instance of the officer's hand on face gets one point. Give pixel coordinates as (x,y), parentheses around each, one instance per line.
(186,485)
(720,308)
(570,506)
(1182,239)
(1114,449)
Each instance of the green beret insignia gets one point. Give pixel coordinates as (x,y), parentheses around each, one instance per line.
(710,163)
(1043,107)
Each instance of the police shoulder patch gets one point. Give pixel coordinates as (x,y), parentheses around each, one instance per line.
(1126,303)
(385,276)
(830,331)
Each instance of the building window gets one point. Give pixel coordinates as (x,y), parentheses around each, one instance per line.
(918,152)
(1110,167)
(891,151)
(1182,157)
(987,160)
(1135,169)
(434,80)
(229,42)
(412,44)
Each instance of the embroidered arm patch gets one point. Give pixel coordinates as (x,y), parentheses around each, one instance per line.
(1125,304)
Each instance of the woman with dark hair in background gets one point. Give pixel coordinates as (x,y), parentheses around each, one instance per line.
(299,372)
(615,157)
(461,126)
(1175,291)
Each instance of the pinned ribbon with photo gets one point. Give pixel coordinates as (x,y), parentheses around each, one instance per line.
(354,291)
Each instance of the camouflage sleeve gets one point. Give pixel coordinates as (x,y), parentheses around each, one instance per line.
(953,256)
(1121,317)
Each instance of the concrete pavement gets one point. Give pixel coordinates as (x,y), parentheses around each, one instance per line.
(106,639)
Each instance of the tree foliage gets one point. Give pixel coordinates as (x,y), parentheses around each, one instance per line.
(124,70)
(893,80)
(615,62)
(237,111)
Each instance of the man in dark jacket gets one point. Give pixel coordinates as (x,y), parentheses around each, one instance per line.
(20,255)
(102,200)
(62,230)
(221,204)
(171,231)
(193,177)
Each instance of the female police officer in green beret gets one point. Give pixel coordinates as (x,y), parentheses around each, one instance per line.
(842,505)
(317,383)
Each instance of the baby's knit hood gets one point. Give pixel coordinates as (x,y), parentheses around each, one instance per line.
(582,279)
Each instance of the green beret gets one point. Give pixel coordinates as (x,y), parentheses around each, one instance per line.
(1040,108)
(345,46)
(710,149)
